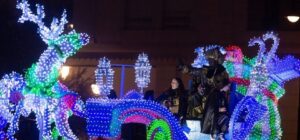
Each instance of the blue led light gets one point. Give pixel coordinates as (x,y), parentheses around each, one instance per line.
(104,117)
(201,60)
(40,92)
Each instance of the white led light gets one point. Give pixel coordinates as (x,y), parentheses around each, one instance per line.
(201,60)
(41,92)
(293,18)
(95,89)
(65,70)
(142,71)
(104,76)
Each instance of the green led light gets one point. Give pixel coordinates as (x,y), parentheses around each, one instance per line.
(159,130)
(242,89)
(31,79)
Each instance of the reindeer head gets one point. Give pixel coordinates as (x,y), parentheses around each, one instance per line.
(52,36)
(61,46)
(46,33)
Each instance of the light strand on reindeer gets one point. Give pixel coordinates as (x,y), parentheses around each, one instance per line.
(40,91)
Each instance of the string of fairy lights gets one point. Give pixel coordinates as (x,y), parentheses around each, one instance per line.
(40,91)
(260,80)
(104,76)
(106,116)
(142,71)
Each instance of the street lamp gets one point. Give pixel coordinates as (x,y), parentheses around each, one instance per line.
(293,18)
(95,89)
(71,26)
(64,72)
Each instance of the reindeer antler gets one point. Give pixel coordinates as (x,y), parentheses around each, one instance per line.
(262,47)
(46,34)
(274,37)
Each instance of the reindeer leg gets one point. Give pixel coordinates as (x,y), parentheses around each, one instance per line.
(47,125)
(61,121)
(14,126)
(40,124)
(44,125)
(5,115)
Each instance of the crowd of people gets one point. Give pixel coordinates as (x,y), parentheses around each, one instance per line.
(206,100)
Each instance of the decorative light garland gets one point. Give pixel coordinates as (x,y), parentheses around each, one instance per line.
(142,69)
(260,79)
(132,94)
(104,76)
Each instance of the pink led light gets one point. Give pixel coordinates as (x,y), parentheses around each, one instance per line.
(240,81)
(149,112)
(137,119)
(69,100)
(234,54)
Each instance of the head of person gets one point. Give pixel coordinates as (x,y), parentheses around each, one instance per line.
(112,95)
(177,83)
(200,88)
(149,95)
(214,57)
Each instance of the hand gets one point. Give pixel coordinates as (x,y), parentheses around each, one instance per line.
(226,88)
(222,109)
(185,70)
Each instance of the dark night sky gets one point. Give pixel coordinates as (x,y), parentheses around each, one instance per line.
(20,44)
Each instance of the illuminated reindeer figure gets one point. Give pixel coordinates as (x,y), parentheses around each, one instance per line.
(261,80)
(40,91)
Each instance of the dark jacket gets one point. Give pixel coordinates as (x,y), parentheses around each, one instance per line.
(215,100)
(196,105)
(170,95)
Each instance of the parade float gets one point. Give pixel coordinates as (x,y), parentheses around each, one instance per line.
(259,80)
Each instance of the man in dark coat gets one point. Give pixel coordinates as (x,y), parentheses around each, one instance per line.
(216,119)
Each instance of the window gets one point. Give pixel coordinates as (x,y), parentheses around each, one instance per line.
(139,14)
(176,14)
